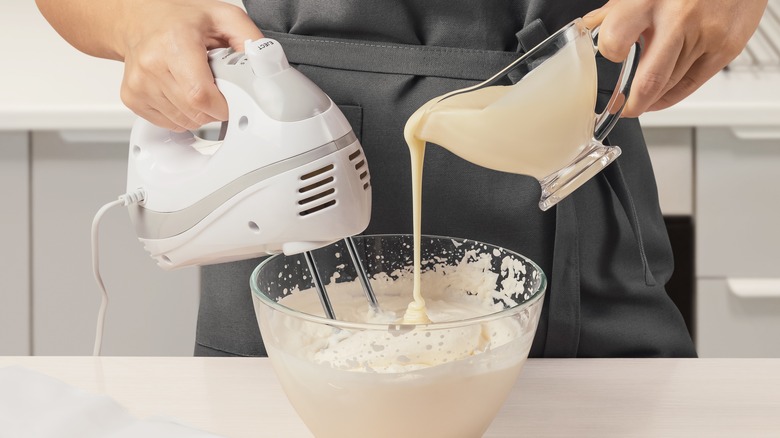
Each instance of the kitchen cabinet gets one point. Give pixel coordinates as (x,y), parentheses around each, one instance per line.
(737,202)
(151,311)
(737,237)
(15,244)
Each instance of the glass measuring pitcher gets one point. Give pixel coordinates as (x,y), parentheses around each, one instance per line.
(544,125)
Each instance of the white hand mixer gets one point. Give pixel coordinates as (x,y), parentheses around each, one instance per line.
(287,175)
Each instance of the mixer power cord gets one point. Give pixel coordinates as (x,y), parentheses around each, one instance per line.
(125,200)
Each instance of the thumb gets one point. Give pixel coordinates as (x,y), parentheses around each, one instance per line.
(594,18)
(237,43)
(235,26)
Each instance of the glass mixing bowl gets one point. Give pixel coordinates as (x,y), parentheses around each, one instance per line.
(366,374)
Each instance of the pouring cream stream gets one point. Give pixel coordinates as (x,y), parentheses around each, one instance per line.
(415,312)
(534,127)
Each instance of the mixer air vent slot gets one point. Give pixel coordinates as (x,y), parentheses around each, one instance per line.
(317,196)
(311,187)
(366,186)
(364,174)
(319,171)
(314,174)
(360,164)
(354,155)
(320,207)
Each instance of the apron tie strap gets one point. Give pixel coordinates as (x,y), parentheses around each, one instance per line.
(563,325)
(392,58)
(417,60)
(615,178)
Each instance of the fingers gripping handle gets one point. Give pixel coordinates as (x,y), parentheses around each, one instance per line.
(609,117)
(266,59)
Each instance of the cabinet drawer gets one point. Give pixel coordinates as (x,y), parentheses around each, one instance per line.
(738,317)
(737,202)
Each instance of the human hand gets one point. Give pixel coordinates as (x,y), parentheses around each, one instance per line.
(167,79)
(686,43)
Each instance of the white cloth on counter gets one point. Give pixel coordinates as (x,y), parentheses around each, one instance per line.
(34,405)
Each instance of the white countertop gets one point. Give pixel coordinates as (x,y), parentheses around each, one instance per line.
(240,397)
(47,84)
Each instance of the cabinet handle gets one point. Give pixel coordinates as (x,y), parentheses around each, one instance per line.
(754,287)
(757,133)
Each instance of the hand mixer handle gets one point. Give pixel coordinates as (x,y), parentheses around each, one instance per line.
(609,117)
(161,145)
(235,82)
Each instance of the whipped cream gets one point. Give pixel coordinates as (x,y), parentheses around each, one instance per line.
(395,346)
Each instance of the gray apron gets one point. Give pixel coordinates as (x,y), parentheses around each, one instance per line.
(605,248)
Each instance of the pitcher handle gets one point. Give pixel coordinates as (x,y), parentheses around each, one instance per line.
(609,117)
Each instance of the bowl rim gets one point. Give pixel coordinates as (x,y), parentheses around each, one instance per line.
(533,300)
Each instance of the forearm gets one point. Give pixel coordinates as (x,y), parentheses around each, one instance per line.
(92,26)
